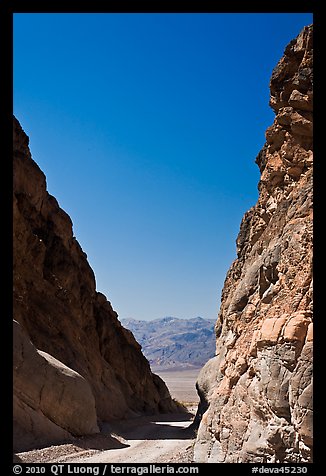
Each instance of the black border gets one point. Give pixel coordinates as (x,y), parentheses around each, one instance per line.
(7,9)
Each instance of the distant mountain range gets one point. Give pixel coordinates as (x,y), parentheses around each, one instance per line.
(172,343)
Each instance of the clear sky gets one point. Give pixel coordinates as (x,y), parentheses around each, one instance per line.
(147,127)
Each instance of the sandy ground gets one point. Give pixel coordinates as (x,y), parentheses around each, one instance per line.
(163,438)
(147,440)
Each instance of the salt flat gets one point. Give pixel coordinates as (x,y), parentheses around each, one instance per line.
(181,383)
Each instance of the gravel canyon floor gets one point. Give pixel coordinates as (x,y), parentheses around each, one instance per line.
(163,438)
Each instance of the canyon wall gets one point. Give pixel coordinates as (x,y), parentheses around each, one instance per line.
(256,393)
(74,363)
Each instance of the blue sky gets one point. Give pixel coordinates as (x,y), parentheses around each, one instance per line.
(147,127)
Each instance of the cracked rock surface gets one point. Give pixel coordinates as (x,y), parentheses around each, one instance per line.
(256,393)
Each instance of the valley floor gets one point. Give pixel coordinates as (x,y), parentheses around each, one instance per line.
(181,383)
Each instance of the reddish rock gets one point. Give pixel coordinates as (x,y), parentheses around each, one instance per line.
(256,393)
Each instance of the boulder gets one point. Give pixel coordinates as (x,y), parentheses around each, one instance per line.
(51,401)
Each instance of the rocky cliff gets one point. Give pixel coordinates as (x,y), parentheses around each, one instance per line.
(256,393)
(74,363)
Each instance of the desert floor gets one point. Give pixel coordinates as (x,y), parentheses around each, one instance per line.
(181,383)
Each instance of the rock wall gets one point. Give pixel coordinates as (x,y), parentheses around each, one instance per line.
(72,327)
(256,393)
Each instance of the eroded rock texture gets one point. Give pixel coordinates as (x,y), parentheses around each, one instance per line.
(256,393)
(76,339)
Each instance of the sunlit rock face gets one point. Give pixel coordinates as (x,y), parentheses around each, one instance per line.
(74,340)
(256,393)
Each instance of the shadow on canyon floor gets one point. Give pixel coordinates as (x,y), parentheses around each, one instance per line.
(156,427)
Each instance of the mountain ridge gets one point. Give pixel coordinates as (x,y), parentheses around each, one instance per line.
(174,343)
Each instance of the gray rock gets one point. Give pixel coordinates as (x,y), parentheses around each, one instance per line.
(52,401)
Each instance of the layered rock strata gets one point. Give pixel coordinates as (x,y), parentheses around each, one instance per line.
(256,393)
(66,333)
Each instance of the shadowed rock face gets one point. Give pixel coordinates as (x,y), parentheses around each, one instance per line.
(48,396)
(256,393)
(60,312)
